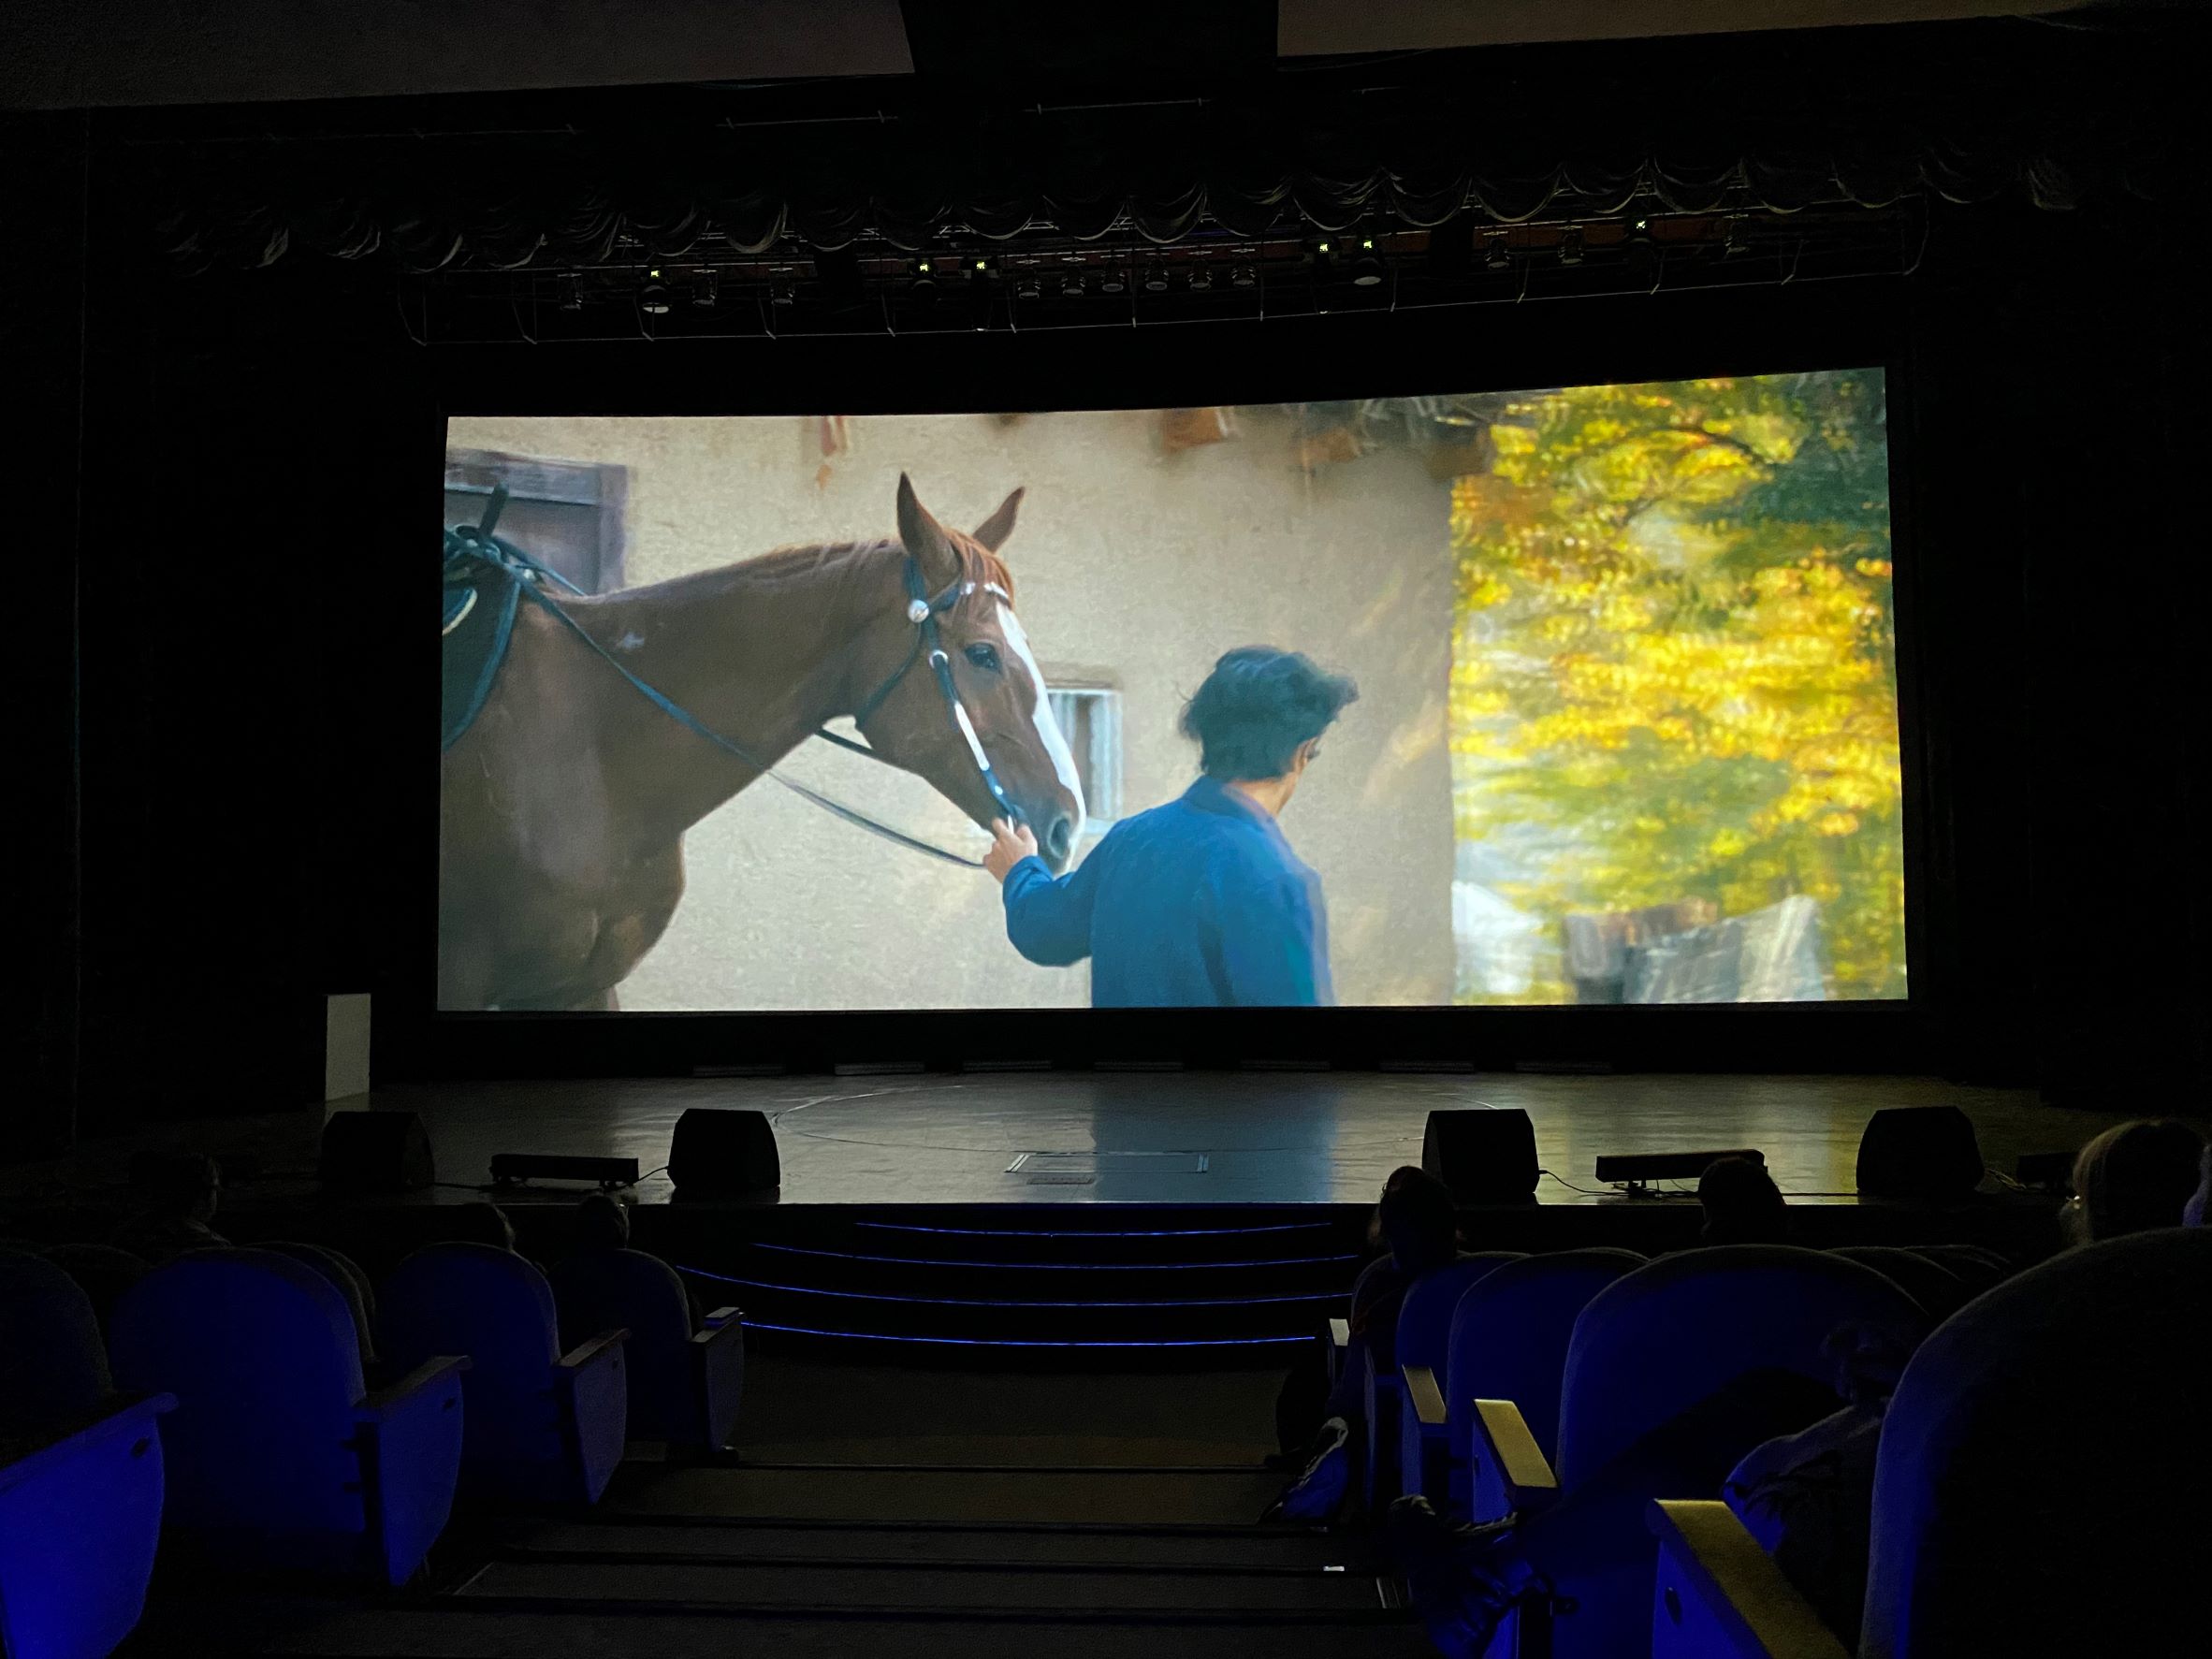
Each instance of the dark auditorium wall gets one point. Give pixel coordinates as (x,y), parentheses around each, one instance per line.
(221,820)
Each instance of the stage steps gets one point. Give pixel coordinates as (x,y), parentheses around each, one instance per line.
(1110,1283)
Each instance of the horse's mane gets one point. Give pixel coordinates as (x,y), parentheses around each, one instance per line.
(979,568)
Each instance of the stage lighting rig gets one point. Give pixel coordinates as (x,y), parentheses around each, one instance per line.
(652,299)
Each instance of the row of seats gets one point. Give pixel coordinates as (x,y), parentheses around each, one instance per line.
(279,1445)
(1525,1381)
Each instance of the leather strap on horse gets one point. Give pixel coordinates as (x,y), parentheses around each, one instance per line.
(477,542)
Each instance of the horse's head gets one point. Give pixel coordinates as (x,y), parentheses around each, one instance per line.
(1003,711)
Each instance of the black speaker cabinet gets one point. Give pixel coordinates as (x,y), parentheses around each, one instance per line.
(1484,1157)
(375,1151)
(719,1152)
(1919,1152)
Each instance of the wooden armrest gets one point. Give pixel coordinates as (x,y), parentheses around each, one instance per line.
(1426,1398)
(1716,1584)
(716,1330)
(590,1352)
(1502,1442)
(429,1372)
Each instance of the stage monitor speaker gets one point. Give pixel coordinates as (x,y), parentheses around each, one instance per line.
(722,1153)
(1485,1156)
(1919,1152)
(375,1151)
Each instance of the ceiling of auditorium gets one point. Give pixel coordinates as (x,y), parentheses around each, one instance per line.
(66,53)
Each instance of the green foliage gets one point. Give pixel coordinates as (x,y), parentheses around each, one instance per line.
(1675,669)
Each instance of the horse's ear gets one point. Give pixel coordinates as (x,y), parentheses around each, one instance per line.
(993,530)
(925,538)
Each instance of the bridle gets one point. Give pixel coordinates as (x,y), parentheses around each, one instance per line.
(476,542)
(924,611)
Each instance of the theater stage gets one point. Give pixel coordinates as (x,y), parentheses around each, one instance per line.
(1198,1138)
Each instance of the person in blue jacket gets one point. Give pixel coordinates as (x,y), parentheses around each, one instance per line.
(1200,902)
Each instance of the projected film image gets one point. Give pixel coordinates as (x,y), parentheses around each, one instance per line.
(1578,694)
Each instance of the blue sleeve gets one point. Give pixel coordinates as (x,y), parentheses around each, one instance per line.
(1272,942)
(1048,919)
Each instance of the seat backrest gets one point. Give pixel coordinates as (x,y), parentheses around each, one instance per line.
(496,1308)
(1938,1290)
(2046,1462)
(1424,1317)
(52,1363)
(598,1290)
(260,1353)
(1672,1334)
(1509,1332)
(344,1278)
(103,1272)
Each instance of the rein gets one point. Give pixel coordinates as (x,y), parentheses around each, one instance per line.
(476,542)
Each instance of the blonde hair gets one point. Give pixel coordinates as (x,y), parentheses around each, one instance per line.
(2135,1177)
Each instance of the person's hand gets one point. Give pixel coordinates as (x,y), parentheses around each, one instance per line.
(1009,844)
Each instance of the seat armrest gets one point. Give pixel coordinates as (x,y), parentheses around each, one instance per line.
(593,1387)
(1336,1345)
(593,1350)
(26,1458)
(719,1317)
(1718,1595)
(1424,1437)
(410,1447)
(1511,1475)
(718,1360)
(398,1395)
(1425,1398)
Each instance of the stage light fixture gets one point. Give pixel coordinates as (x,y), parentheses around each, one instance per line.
(1636,1171)
(1496,254)
(1733,241)
(981,267)
(1201,279)
(925,279)
(1570,245)
(1243,276)
(652,299)
(1367,270)
(1029,286)
(1072,285)
(569,291)
(1156,279)
(783,293)
(706,291)
(1112,282)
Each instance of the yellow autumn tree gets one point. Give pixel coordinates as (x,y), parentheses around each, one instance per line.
(1674,673)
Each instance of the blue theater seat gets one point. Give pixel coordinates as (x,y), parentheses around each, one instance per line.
(102,1271)
(349,1281)
(685,1385)
(1650,1347)
(542,1426)
(1508,1341)
(81,1475)
(277,1455)
(1422,1338)
(2039,1490)
(1936,1286)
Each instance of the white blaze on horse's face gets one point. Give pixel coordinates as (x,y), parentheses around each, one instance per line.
(1040,715)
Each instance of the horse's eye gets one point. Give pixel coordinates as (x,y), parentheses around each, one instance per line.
(984,657)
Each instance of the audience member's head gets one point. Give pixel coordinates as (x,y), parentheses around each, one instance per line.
(1416,1220)
(1741,1203)
(2135,1177)
(177,1185)
(478,1223)
(2193,1213)
(601,1223)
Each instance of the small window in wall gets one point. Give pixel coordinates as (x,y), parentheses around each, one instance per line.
(1090,718)
(566,514)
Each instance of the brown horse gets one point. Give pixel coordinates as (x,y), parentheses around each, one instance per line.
(565,805)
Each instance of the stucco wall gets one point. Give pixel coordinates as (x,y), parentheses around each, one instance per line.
(1136,568)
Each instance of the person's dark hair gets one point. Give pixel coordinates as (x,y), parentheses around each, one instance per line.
(1256,706)
(601,1223)
(1417,1219)
(182,1184)
(479,1223)
(1742,1205)
(2135,1177)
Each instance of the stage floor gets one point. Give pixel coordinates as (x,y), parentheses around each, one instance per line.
(1202,1138)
